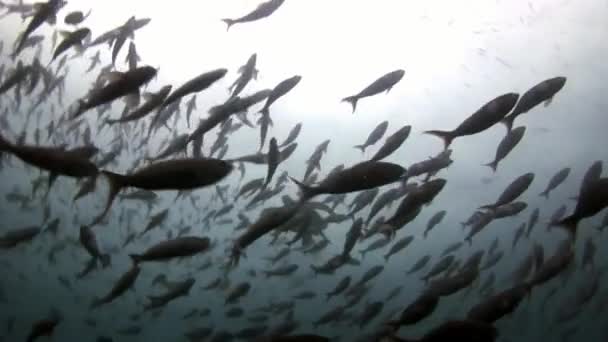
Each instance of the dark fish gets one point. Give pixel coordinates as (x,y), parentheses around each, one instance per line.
(263,10)
(293,135)
(420,309)
(462,331)
(248,72)
(362,176)
(374,136)
(71,39)
(369,313)
(504,303)
(533,221)
(507,144)
(433,221)
(44,327)
(485,117)
(513,191)
(237,292)
(269,219)
(340,287)
(352,237)
(121,84)
(124,283)
(557,263)
(555,181)
(277,92)
(383,84)
(178,174)
(423,261)
(12,238)
(273,161)
(592,200)
(44,12)
(398,246)
(75,17)
(392,143)
(175,248)
(439,267)
(89,242)
(542,92)
(195,85)
(281,271)
(182,289)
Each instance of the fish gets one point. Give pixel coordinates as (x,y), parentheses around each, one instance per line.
(485,117)
(264,10)
(177,174)
(43,12)
(507,144)
(182,289)
(555,181)
(12,238)
(277,92)
(273,161)
(383,84)
(237,292)
(132,56)
(533,221)
(292,136)
(420,264)
(340,287)
(392,143)
(352,237)
(542,92)
(248,72)
(281,271)
(398,246)
(434,221)
(174,248)
(512,191)
(124,283)
(374,136)
(416,311)
(195,85)
(89,242)
(71,39)
(75,17)
(45,327)
(120,85)
(592,200)
(362,176)
(439,267)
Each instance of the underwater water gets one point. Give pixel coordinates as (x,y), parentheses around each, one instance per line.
(287,186)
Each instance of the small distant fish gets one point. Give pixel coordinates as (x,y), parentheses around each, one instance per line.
(75,17)
(374,136)
(555,181)
(263,10)
(507,144)
(382,84)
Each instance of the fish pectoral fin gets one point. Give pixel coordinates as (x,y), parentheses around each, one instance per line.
(548,102)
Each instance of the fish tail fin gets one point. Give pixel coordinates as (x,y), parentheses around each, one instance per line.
(361,147)
(105,260)
(117,182)
(508,122)
(570,224)
(446,136)
(229,23)
(136,258)
(493,165)
(307,191)
(352,100)
(544,194)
